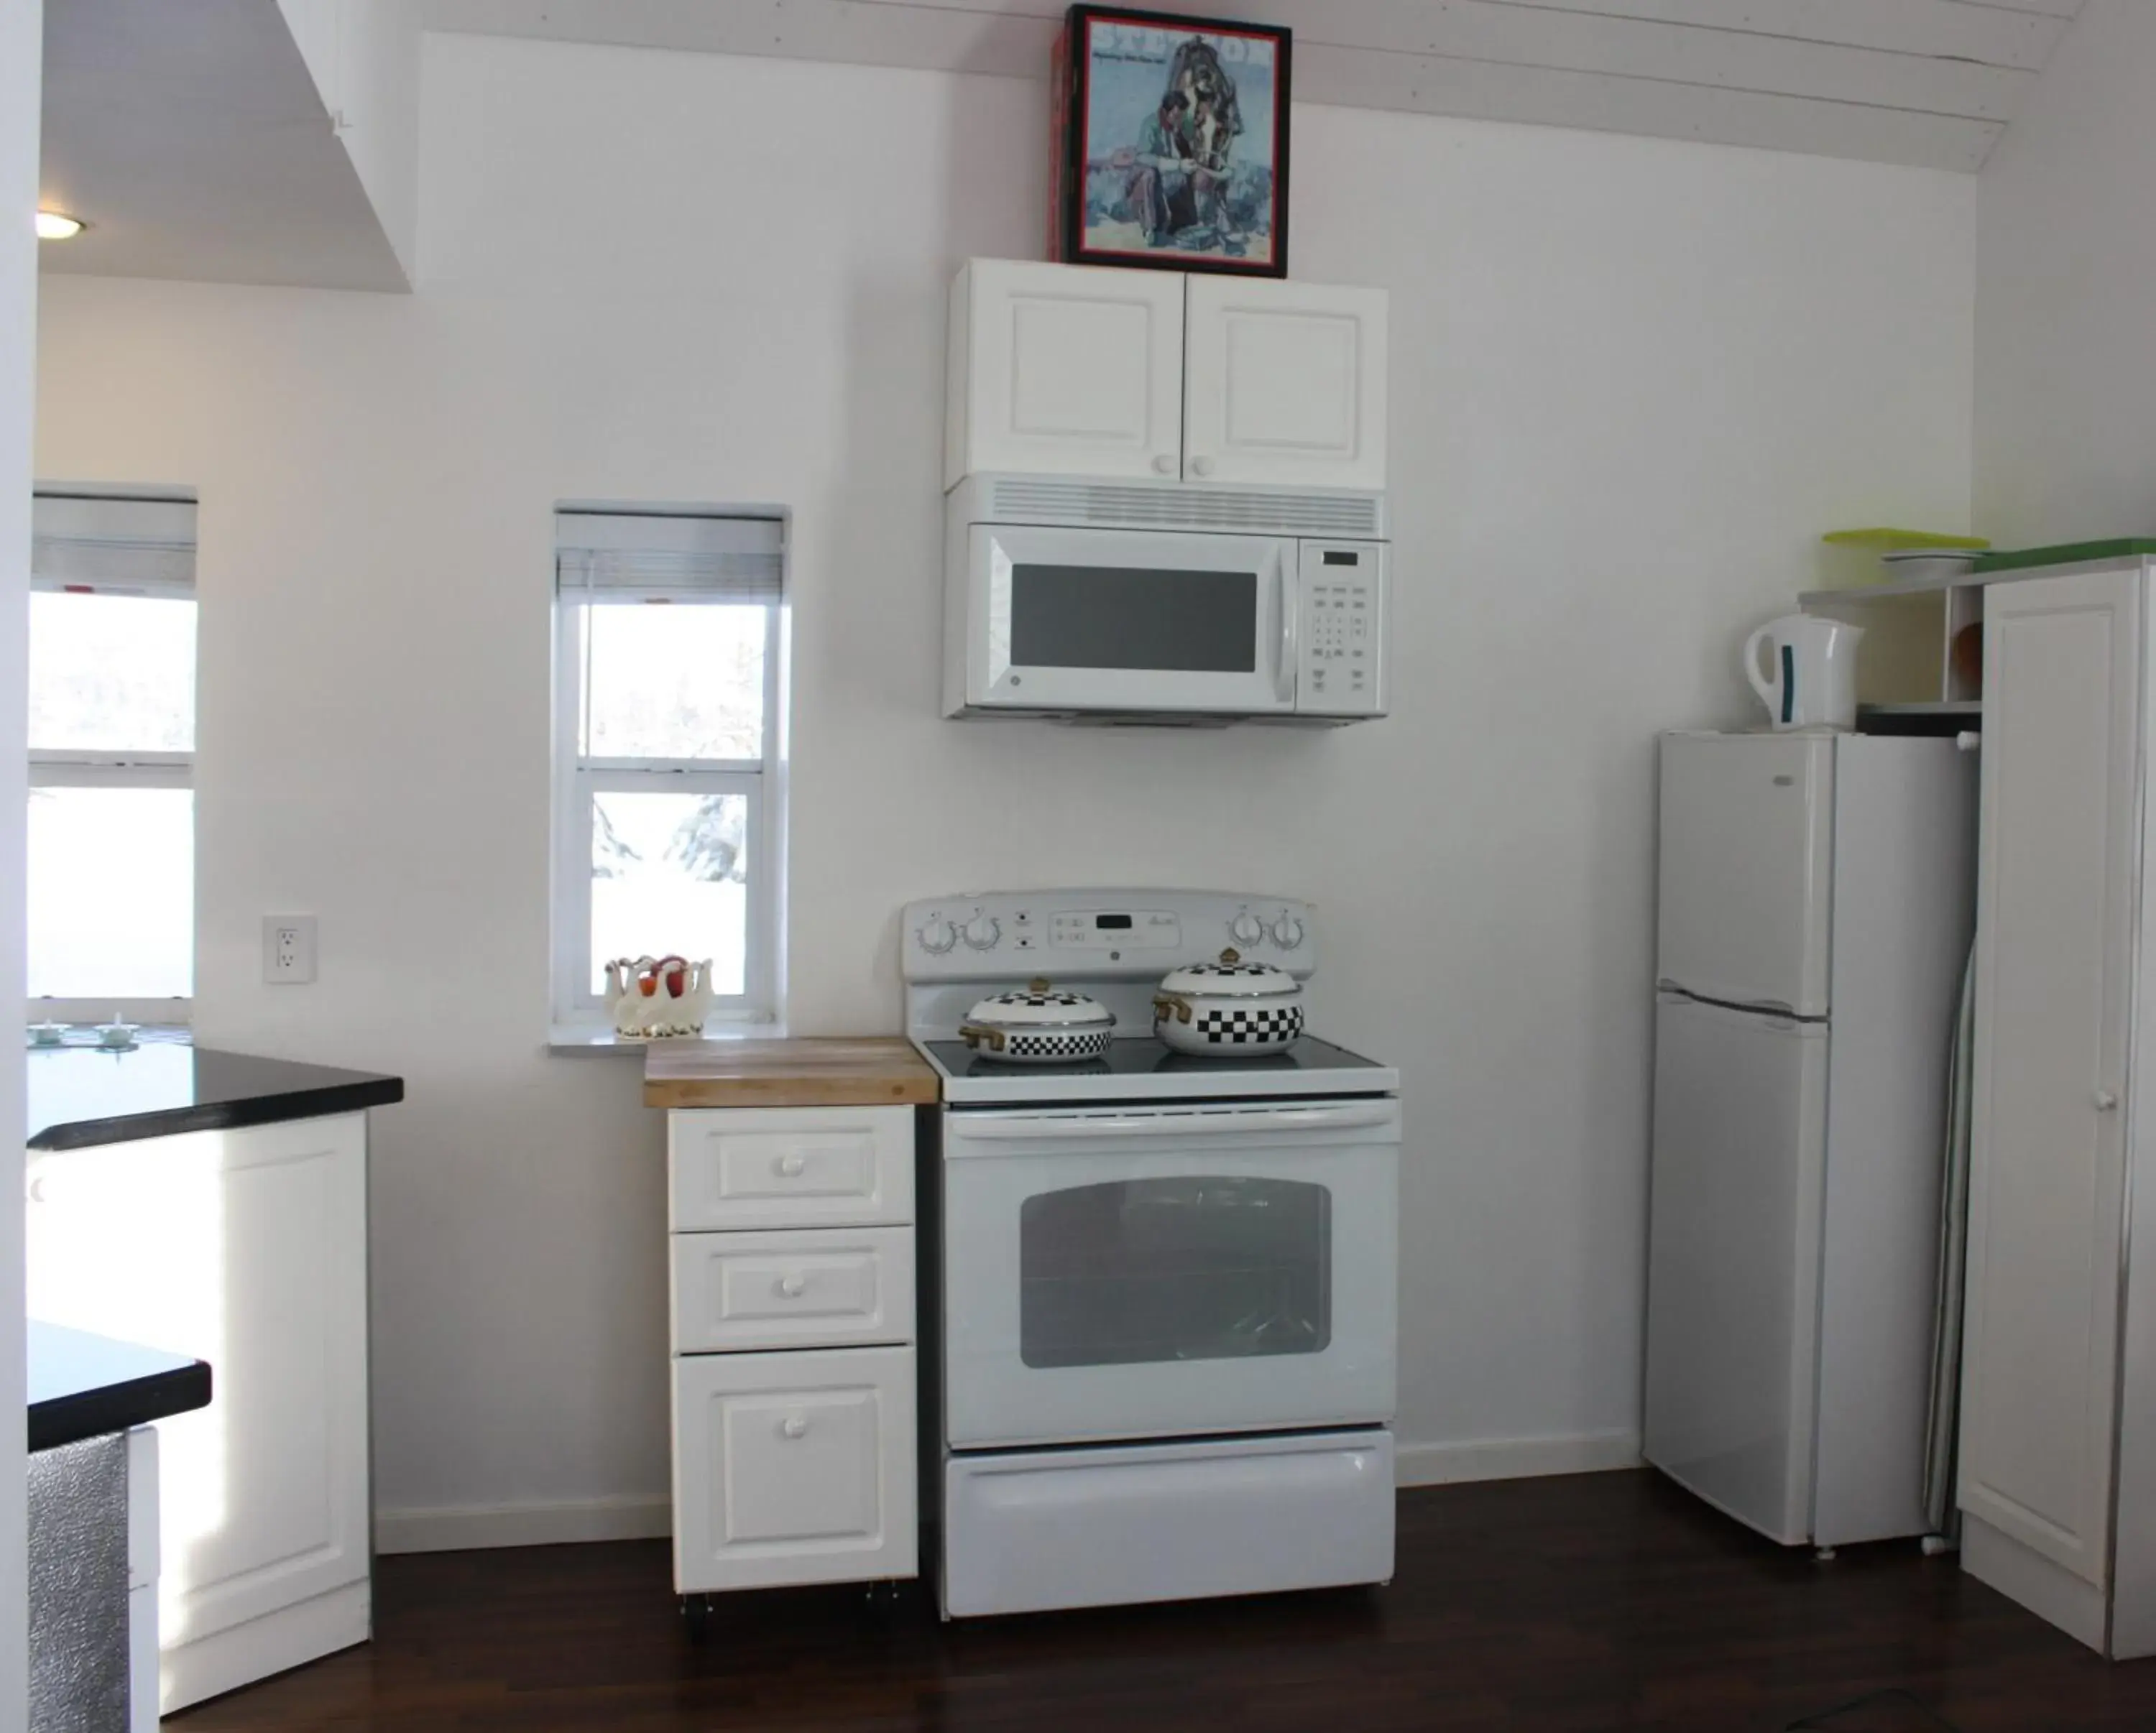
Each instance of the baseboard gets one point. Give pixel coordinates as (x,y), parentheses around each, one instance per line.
(1585,1453)
(458,1528)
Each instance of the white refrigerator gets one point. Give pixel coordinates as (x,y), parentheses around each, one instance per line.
(1816,906)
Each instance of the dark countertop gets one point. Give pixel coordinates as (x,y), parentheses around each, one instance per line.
(84,1385)
(83,1095)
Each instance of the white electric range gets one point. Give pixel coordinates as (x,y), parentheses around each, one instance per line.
(1166,1284)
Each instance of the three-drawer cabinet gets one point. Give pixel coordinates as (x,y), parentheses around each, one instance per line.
(792,1333)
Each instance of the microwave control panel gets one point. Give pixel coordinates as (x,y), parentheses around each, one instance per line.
(1340,636)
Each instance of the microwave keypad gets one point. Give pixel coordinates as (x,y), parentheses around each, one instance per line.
(1339,639)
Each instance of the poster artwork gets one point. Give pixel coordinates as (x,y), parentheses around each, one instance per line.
(1175,142)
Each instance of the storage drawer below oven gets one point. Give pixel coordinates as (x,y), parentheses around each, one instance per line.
(1029,1531)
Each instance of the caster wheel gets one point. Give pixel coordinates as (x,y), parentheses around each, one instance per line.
(697,1619)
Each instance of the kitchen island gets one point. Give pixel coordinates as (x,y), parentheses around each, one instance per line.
(93,1523)
(212,1206)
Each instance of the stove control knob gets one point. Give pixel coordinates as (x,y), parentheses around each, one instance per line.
(1287,932)
(982,931)
(1246,929)
(938,936)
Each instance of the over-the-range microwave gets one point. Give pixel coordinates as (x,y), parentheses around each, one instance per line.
(1163,602)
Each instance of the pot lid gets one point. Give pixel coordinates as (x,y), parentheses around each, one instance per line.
(1231,978)
(1039,1005)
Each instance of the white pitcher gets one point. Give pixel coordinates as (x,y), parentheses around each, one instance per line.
(1809,680)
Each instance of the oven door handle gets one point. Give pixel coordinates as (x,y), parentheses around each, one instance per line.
(999,1128)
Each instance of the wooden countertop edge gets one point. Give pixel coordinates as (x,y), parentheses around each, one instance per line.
(863,1071)
(793,1092)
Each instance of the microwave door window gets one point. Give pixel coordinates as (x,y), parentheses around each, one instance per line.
(1154,620)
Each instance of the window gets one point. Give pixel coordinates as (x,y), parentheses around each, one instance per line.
(112,739)
(668,642)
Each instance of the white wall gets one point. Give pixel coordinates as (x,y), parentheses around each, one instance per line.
(2066,373)
(22,59)
(1632,381)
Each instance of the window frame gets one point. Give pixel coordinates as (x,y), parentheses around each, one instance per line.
(573,1005)
(118,767)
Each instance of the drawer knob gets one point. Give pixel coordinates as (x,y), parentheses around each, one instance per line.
(794,1427)
(2106,1101)
(792,1286)
(792,1166)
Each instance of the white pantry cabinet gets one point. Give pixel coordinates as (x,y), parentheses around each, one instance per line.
(246,1249)
(1077,369)
(793,1329)
(2058,1407)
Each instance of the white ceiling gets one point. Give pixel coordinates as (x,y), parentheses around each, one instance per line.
(192,137)
(1931,82)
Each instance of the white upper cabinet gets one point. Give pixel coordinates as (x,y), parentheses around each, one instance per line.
(1284,383)
(1074,370)
(1064,370)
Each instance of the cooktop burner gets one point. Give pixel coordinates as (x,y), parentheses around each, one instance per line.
(1145,1057)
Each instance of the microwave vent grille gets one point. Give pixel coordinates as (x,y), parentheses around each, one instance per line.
(1107,505)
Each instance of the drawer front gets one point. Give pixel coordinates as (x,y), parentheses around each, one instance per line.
(828,1287)
(794,1468)
(790,1167)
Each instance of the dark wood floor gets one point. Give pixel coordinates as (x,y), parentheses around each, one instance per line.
(1605,1601)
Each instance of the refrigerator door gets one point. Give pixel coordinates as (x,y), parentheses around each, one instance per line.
(1747,855)
(1733,1259)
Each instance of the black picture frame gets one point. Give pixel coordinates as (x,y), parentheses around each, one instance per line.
(1114,203)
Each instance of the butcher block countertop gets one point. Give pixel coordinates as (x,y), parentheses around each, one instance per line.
(857,1071)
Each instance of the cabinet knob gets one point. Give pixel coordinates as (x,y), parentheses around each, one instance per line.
(1201,466)
(1164,464)
(2106,1101)
(792,1166)
(794,1427)
(792,1286)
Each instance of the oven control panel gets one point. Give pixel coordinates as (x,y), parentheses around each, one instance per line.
(982,935)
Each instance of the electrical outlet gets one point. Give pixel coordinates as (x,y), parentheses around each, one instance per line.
(287,949)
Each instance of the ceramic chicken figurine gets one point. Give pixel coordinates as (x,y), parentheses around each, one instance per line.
(657,997)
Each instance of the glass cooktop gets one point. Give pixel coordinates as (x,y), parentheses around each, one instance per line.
(1144,1056)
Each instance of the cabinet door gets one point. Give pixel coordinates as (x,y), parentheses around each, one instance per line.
(247,1249)
(1064,370)
(2055,921)
(1284,383)
(794,1468)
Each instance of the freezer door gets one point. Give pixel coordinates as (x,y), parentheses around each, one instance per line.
(1733,1261)
(1747,853)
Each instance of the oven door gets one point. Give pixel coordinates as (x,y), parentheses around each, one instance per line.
(1145,1272)
(1128,620)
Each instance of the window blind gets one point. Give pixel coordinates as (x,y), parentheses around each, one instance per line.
(112,547)
(648,556)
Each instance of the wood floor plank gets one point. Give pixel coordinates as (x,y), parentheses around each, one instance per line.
(1576,1605)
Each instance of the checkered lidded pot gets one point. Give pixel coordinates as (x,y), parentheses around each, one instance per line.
(1038,1025)
(1229,1009)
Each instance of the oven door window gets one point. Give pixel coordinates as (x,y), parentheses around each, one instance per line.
(1139,1271)
(1133,617)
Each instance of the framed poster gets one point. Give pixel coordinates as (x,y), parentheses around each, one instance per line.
(1171,145)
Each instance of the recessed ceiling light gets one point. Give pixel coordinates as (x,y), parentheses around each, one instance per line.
(57,226)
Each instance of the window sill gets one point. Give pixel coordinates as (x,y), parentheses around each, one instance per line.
(587,1041)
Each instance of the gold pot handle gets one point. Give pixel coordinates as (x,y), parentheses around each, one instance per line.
(1171,1005)
(974,1035)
